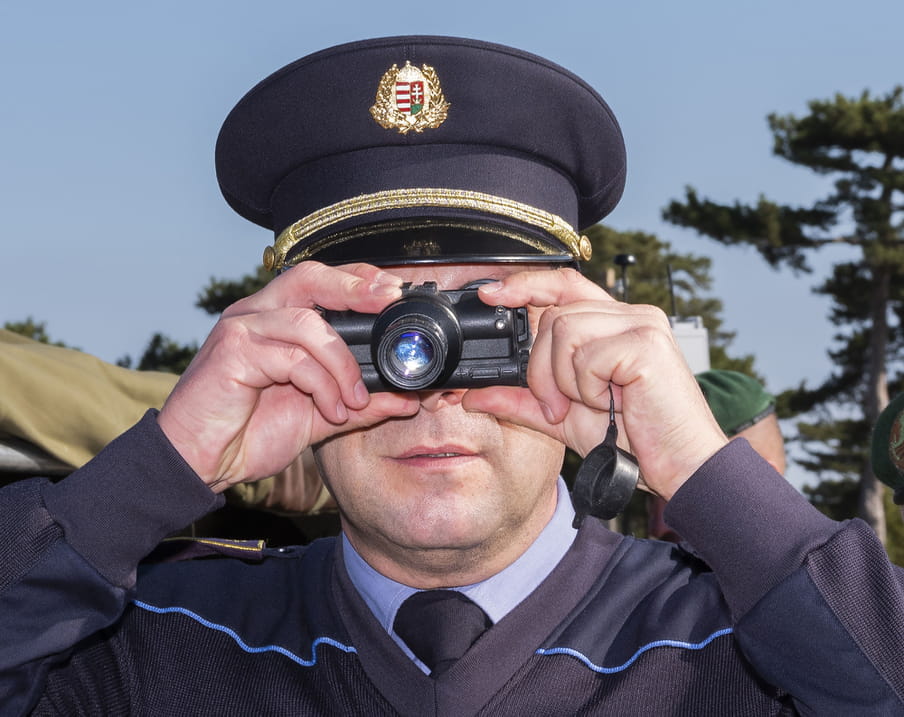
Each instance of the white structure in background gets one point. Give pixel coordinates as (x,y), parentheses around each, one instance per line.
(693,338)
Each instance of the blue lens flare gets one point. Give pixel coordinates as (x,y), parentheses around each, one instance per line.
(413,352)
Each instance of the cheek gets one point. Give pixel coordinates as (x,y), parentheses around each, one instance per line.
(333,461)
(352,473)
(535,450)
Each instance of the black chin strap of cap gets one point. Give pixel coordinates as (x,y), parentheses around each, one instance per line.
(606,478)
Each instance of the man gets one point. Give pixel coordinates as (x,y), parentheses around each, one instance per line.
(887,447)
(743,407)
(452,161)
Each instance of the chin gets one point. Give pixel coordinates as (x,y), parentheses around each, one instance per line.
(446,531)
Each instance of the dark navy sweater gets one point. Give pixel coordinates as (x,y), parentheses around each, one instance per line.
(796,614)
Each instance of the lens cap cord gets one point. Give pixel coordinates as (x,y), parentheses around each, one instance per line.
(606,478)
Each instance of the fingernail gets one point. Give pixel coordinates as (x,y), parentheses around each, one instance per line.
(378,289)
(341,411)
(361,393)
(547,412)
(384,277)
(490,288)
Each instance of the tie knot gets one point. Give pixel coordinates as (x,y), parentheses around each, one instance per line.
(439,626)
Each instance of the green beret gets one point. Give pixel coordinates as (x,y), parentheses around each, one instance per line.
(737,400)
(888,447)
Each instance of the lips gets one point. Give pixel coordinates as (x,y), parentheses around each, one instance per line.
(435,452)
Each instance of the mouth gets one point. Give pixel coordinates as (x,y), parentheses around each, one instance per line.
(435,453)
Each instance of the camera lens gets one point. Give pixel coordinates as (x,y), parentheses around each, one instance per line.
(416,341)
(412,352)
(411,355)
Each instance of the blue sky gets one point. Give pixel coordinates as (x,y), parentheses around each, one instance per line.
(112,221)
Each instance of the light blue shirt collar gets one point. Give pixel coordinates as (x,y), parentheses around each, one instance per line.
(497,595)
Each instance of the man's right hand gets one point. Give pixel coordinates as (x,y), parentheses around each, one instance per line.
(274,378)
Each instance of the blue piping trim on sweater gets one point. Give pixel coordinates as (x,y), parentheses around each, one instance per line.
(658,643)
(241,643)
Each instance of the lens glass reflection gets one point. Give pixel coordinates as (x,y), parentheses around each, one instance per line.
(412,354)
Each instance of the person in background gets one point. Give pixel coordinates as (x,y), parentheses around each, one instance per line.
(887,447)
(744,409)
(65,405)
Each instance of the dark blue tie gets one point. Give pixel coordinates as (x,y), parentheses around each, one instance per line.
(439,626)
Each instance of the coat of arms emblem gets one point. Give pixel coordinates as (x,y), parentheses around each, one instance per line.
(410,99)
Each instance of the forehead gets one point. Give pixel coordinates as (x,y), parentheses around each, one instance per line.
(454,276)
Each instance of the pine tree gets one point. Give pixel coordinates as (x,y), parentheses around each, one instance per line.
(859,142)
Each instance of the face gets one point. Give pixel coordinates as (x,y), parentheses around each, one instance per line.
(444,497)
(765,437)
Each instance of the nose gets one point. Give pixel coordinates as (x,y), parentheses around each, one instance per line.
(434,400)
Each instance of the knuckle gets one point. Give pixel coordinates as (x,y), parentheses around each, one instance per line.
(228,333)
(308,273)
(650,336)
(573,276)
(307,270)
(653,314)
(304,319)
(242,306)
(562,324)
(550,318)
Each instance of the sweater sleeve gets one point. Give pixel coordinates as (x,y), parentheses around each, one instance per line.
(818,606)
(69,550)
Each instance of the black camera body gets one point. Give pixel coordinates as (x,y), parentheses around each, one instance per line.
(430,339)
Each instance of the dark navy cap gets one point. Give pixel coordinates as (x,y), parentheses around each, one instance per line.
(422,149)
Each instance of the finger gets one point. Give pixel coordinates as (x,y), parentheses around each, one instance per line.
(583,428)
(542,288)
(552,400)
(382,406)
(562,332)
(513,404)
(360,287)
(583,347)
(297,346)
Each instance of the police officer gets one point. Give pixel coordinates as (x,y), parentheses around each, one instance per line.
(460,584)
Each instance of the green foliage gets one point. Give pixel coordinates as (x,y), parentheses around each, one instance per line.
(221,293)
(836,448)
(835,133)
(859,143)
(163,354)
(35,330)
(779,233)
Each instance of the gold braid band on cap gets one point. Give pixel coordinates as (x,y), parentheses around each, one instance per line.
(326,217)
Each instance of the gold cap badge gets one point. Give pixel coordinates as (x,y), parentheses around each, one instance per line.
(410,99)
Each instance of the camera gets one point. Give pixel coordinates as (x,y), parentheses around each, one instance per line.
(431,339)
